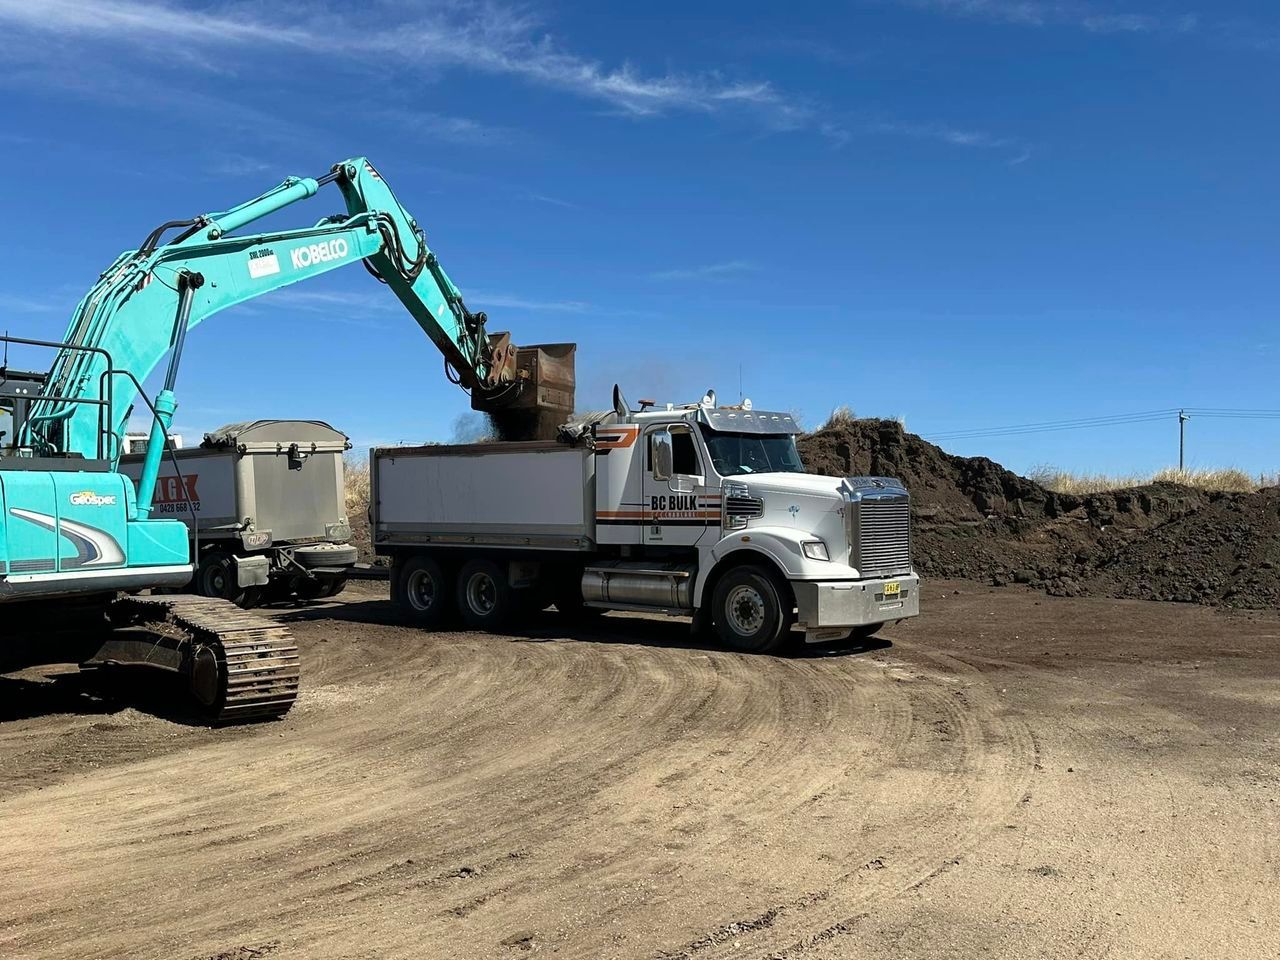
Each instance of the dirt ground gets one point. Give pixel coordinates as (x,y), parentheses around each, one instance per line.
(1011,775)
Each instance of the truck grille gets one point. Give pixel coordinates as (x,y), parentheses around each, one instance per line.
(884,535)
(739,506)
(750,508)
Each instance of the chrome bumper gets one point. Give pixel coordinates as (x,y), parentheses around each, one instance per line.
(828,610)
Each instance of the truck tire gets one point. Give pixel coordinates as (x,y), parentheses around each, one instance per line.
(322,587)
(334,586)
(423,591)
(748,610)
(216,577)
(485,599)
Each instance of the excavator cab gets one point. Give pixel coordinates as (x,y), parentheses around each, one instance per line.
(17,389)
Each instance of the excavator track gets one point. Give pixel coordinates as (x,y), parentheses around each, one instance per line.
(241,666)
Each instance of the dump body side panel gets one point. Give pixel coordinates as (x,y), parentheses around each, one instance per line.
(207,483)
(531,495)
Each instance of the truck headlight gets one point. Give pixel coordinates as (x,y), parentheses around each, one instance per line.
(815,550)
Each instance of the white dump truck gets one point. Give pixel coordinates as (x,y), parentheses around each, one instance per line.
(269,509)
(700,509)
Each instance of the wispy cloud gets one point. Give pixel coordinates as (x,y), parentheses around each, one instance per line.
(450,129)
(237,165)
(955,136)
(328,299)
(36,41)
(481,37)
(333,306)
(20,304)
(553,201)
(710,271)
(1023,156)
(354,307)
(511,302)
(1043,13)
(960,137)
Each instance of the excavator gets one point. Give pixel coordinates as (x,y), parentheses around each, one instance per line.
(88,571)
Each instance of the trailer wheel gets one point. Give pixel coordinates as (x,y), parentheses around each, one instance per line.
(423,591)
(322,587)
(216,577)
(335,586)
(485,599)
(748,611)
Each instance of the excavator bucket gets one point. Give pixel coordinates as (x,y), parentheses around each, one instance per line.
(544,399)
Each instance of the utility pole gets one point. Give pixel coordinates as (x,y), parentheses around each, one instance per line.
(1182,439)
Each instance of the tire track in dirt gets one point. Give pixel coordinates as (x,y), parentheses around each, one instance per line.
(622,794)
(979,777)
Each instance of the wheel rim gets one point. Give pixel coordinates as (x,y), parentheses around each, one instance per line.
(744,610)
(421,590)
(482,594)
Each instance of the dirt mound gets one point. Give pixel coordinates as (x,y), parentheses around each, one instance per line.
(976,520)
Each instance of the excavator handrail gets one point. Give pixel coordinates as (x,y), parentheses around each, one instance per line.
(103,401)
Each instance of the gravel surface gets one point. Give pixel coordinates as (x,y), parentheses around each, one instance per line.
(1011,775)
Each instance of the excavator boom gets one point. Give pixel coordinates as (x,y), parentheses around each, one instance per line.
(74,531)
(142,306)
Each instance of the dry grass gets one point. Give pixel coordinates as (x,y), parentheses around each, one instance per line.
(841,416)
(1223,480)
(1227,480)
(356,477)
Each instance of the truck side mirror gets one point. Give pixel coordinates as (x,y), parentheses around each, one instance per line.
(660,453)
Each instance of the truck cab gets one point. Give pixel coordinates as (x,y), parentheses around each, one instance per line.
(724,487)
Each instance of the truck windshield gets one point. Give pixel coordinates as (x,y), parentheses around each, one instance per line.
(737,453)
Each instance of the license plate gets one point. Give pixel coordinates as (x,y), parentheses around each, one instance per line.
(892,589)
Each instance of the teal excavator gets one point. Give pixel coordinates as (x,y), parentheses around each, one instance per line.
(87,573)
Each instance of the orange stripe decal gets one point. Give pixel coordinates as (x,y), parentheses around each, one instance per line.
(616,438)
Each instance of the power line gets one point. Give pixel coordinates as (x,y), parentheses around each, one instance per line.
(1048,426)
(1228,414)
(1114,420)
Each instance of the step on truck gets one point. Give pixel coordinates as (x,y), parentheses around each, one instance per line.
(265,509)
(698,510)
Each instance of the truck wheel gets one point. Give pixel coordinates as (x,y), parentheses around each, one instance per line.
(748,611)
(334,586)
(485,599)
(423,591)
(321,587)
(216,577)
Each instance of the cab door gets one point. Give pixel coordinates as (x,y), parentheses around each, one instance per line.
(678,509)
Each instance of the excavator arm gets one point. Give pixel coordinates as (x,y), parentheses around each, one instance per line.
(143,305)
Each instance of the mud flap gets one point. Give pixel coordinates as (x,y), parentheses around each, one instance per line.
(252,571)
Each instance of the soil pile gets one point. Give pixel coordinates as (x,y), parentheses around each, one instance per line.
(976,520)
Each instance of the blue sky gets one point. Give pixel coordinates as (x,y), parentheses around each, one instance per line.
(965,213)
